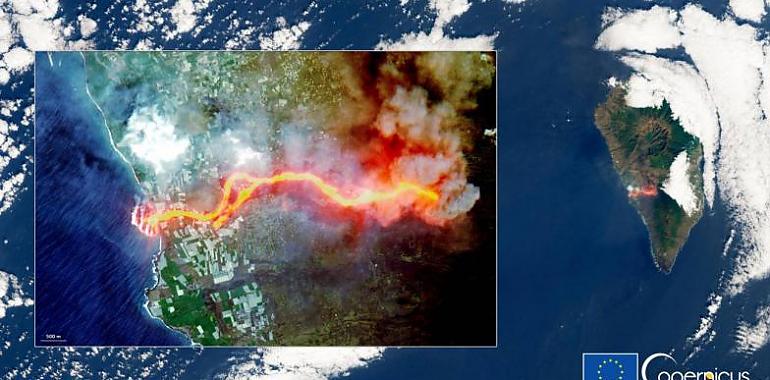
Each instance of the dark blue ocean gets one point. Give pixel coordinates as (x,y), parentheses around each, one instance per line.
(92,265)
(575,272)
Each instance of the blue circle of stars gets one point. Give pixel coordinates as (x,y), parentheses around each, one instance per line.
(606,363)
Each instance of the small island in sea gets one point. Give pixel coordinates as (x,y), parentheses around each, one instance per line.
(659,163)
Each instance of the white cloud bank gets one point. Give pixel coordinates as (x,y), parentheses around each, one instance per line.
(302,363)
(753,336)
(678,185)
(184,16)
(446,11)
(645,30)
(723,98)
(87,26)
(752,10)
(285,38)
(25,26)
(151,137)
(11,294)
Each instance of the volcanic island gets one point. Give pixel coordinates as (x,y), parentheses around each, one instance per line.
(660,165)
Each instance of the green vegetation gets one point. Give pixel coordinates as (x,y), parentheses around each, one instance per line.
(663,140)
(647,138)
(667,217)
(188,311)
(170,272)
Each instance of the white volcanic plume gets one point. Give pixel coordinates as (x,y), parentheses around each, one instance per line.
(406,122)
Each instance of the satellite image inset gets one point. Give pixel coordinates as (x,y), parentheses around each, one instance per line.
(265,198)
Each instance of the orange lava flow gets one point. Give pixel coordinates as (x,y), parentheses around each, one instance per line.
(646,191)
(228,206)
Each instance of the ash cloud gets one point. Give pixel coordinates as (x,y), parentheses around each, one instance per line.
(393,117)
(411,124)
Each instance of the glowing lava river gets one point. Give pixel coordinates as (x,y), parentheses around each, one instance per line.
(148,220)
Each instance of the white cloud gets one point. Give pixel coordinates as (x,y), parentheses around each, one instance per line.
(9,189)
(5,76)
(715,302)
(11,294)
(40,33)
(246,154)
(87,26)
(436,40)
(184,14)
(303,363)
(446,11)
(752,10)
(644,30)
(18,59)
(146,18)
(678,185)
(11,150)
(45,8)
(36,28)
(753,336)
(151,137)
(6,34)
(730,58)
(145,44)
(285,38)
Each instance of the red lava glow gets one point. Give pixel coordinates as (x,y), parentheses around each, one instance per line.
(645,191)
(149,220)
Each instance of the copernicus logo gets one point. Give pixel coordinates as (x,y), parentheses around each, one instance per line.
(711,374)
(610,366)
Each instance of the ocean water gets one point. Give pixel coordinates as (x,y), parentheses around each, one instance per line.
(83,194)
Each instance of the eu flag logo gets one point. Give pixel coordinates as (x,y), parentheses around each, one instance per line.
(618,366)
